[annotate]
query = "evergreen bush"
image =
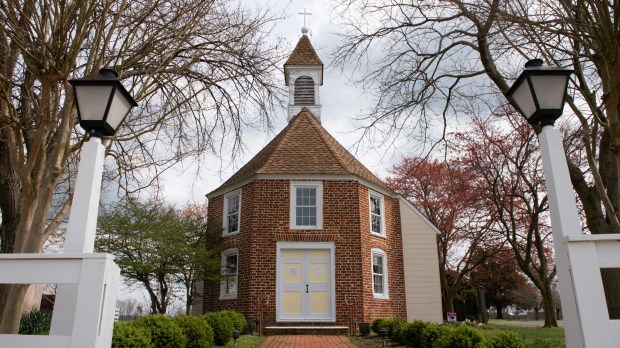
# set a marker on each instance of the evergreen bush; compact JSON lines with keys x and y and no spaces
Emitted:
{"x":431,"y":333}
{"x":164,"y":332}
{"x":377,"y":324}
{"x":462,"y":337}
{"x":128,"y":335}
{"x":412,"y":334}
{"x":198,"y":333}
{"x":238,"y":320}
{"x":504,"y":339}
{"x":396,"y":330}
{"x":222,"y":327}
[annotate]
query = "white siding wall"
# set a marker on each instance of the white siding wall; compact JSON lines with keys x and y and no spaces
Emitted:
{"x":421,"y":266}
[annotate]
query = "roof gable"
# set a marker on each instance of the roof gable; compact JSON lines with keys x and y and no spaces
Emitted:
{"x":303,"y":147}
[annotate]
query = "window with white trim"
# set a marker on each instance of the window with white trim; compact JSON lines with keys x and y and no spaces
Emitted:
{"x":377,"y":215}
{"x":232,"y":212}
{"x":379,"y":273}
{"x":306,"y":205}
{"x":230,"y":261}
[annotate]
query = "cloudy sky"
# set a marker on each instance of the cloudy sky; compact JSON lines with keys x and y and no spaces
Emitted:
{"x":341,"y":102}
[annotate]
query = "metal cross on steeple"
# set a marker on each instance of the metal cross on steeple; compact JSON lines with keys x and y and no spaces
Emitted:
{"x":304,"y":14}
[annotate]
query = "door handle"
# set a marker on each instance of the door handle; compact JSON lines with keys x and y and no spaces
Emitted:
{"x":306,"y":288}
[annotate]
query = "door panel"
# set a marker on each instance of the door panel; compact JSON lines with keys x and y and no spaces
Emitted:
{"x":292,"y":304}
{"x":319,"y":303}
{"x":306,"y":285}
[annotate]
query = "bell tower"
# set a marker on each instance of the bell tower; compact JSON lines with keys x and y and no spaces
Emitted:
{"x":303,"y":74}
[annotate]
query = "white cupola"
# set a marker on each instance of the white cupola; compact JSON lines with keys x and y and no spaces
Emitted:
{"x":303,"y":74}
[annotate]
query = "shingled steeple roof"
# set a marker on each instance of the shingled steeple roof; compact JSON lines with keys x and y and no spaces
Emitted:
{"x":303,"y":55}
{"x":303,"y":147}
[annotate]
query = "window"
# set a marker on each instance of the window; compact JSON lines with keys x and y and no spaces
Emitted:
{"x":377,"y":217}
{"x":306,"y":205}
{"x":230,"y":258}
{"x":232,"y":212}
{"x":304,"y":91}
{"x":379,"y":273}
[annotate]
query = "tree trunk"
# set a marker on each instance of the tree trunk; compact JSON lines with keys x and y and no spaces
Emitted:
{"x":549,"y":308}
{"x":9,"y":322}
{"x":611,"y":283}
{"x":499,"y":309}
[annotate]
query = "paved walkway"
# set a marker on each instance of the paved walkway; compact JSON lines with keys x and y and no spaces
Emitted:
{"x":307,"y":341}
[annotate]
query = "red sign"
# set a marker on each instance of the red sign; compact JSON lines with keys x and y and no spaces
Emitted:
{"x":451,"y":317}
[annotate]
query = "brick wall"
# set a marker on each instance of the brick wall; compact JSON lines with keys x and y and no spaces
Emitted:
{"x":346,"y":222}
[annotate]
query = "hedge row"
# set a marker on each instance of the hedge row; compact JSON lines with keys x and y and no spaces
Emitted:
{"x":158,"y":331}
{"x":419,"y":334}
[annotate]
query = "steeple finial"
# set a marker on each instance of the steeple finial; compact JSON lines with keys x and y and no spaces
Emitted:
{"x":304,"y":29}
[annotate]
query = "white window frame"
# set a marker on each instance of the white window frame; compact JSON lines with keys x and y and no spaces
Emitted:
{"x":225,"y":219}
{"x":319,"y":204}
{"x":385,"y":295}
{"x":225,"y":254}
{"x":370,"y":213}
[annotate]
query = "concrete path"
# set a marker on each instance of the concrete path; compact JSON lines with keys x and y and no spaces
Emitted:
{"x":307,"y":341}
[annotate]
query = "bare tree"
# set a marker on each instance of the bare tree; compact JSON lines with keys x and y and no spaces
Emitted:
{"x":195,"y":67}
{"x":439,"y":57}
{"x":506,"y":162}
{"x":445,"y":194}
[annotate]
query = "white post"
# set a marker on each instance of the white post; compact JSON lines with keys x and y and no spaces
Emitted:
{"x":565,"y":223}
{"x":85,"y":206}
{"x":81,"y":230}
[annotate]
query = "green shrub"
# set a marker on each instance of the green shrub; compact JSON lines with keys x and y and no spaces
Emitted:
{"x":377,"y":324}
{"x":431,"y":333}
{"x":462,"y":337}
{"x":238,"y":320}
{"x":222,"y":327}
{"x":35,"y":322}
{"x":504,"y":339}
{"x":412,"y":334}
{"x":164,"y":332}
{"x":470,"y":334}
{"x":128,"y":335}
{"x":198,"y":333}
{"x":397,"y":329}
{"x":393,"y":324}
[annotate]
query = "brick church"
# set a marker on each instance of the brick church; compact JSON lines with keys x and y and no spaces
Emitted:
{"x":308,"y":230}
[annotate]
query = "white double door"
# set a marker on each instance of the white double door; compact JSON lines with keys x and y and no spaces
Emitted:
{"x":305,"y":283}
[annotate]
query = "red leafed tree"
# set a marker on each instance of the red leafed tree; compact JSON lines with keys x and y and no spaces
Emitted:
{"x":506,"y":161}
{"x":499,"y":277}
{"x":446,"y":196}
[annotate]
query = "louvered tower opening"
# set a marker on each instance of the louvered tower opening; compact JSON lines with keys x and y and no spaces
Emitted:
{"x":304,"y":91}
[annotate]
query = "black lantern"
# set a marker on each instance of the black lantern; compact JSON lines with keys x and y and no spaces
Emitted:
{"x":383,"y":333}
{"x":102,"y":102}
{"x":539,"y":92}
{"x":235,"y":337}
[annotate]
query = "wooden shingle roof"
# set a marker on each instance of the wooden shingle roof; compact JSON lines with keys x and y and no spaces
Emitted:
{"x":303,"y":147}
{"x":303,"y":54}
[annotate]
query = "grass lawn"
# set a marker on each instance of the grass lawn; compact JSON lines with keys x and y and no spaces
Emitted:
{"x":534,"y":337}
{"x":246,"y":341}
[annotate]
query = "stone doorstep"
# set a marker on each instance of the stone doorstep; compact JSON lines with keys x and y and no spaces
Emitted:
{"x":307,"y":330}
